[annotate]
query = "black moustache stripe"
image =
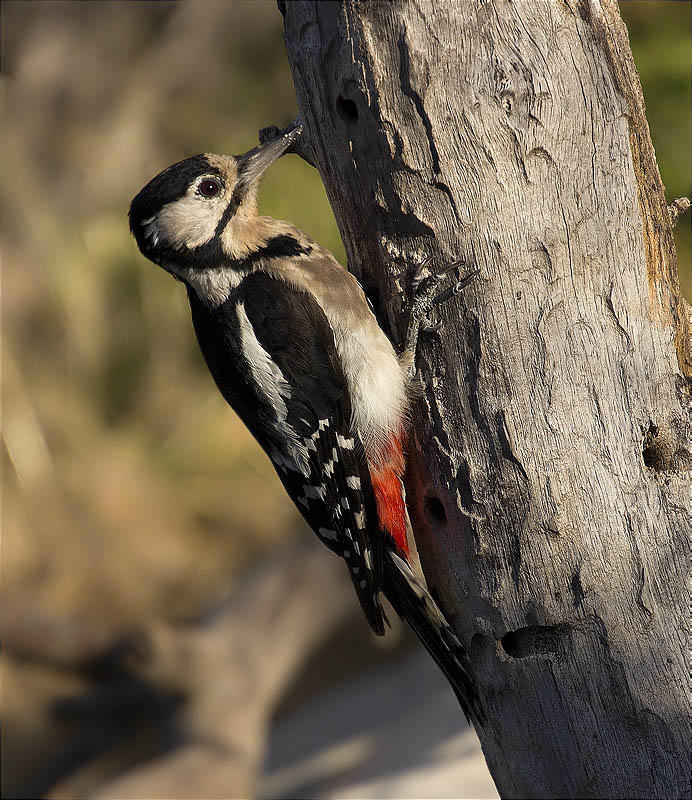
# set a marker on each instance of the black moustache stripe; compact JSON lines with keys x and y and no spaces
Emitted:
{"x":230,"y":210}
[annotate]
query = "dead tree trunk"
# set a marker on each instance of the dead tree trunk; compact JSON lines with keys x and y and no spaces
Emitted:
{"x":549,"y":483}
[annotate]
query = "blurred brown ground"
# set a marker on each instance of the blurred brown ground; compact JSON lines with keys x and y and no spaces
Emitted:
{"x":130,"y":493}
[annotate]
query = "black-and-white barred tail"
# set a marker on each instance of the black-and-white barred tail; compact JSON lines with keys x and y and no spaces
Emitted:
{"x":413,"y":603}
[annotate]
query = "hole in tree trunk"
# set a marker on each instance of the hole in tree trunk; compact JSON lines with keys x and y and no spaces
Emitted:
{"x":663,"y":449}
{"x":348,"y":110}
{"x":435,"y":510}
{"x":650,"y":450}
{"x":536,"y":640}
{"x":510,"y":644}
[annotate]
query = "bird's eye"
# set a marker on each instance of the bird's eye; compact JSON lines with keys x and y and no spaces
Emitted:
{"x":209,"y":187}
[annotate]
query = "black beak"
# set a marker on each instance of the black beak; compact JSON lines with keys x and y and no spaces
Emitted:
{"x":252,"y":164}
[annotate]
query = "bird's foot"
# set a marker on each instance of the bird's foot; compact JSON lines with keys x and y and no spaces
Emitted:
{"x":425,"y":297}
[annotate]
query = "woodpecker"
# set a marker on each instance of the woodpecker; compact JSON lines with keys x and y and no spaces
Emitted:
{"x":294,"y":347}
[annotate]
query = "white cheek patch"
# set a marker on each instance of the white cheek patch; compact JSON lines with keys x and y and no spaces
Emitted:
{"x":190,"y":221}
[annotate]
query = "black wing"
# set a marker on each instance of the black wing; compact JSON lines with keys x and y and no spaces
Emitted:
{"x":271,"y":351}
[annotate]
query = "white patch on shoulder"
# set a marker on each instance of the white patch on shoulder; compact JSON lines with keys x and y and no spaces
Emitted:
{"x":272,"y":384}
{"x":353,"y":482}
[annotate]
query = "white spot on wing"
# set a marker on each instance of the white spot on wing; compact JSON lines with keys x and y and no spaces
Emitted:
{"x":367,"y":557}
{"x":315,"y":492}
{"x":359,"y":517}
{"x":347,"y":444}
{"x":353,"y":482}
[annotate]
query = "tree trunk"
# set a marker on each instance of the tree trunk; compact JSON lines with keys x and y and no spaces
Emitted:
{"x":549,"y":479}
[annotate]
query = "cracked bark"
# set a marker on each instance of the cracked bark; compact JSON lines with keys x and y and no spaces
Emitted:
{"x":549,"y":480}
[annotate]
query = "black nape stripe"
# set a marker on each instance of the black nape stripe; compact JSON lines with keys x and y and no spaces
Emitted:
{"x":284,"y":246}
{"x":210,"y":255}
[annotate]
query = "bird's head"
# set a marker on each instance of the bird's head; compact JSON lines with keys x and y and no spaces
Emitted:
{"x":202,"y":211}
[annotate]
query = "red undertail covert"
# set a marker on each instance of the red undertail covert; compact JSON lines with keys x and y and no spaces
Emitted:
{"x":386,"y":483}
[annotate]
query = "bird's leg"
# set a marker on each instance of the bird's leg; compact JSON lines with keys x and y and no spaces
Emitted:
{"x":425,"y":298}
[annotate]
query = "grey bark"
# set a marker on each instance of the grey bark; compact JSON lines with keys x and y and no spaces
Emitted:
{"x":549,"y":472}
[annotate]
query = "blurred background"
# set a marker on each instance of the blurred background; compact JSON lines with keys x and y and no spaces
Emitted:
{"x":169,"y":628}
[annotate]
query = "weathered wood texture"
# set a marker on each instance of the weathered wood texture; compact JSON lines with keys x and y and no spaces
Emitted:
{"x":549,"y":480}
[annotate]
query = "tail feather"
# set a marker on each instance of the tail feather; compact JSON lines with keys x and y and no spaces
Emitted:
{"x":413,"y":603}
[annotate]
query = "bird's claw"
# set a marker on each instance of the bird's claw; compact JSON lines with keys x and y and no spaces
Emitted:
{"x":429,"y":327}
{"x":457,"y":288}
{"x":425,"y":299}
{"x":448,"y":268}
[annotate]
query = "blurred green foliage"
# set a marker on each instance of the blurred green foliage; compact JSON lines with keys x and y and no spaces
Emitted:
{"x":662,"y":48}
{"x":129,"y":487}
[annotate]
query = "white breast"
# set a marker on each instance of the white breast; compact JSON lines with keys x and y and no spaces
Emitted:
{"x":376,"y":380}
